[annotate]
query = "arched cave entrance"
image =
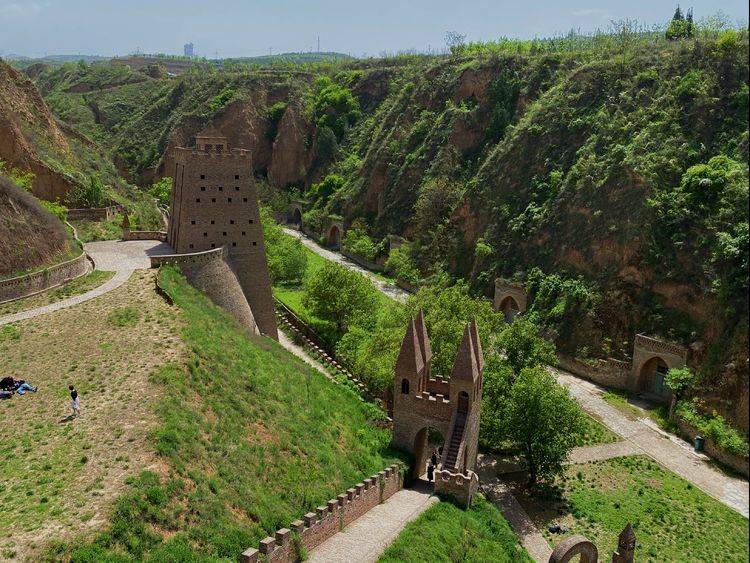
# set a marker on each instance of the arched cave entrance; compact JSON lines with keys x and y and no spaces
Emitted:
{"x":509,"y":308}
{"x":297,"y":217}
{"x":334,"y":237}
{"x":651,"y":377}
{"x":427,"y":440}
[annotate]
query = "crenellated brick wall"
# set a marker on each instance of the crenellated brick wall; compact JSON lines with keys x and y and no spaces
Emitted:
{"x":316,"y":527}
{"x":92,"y":214}
{"x":609,"y":372}
{"x":36,"y":282}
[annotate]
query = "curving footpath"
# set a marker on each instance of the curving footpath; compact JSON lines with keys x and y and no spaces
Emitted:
{"x":121,"y":257}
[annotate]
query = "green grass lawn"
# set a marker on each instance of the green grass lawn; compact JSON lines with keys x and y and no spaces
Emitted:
{"x":673,"y":520}
{"x":89,"y":231}
{"x":251,"y":438}
{"x":447,"y":533}
{"x":75,"y":287}
{"x":596,"y":433}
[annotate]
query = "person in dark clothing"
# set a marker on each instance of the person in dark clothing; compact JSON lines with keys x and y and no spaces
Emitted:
{"x":74,"y":401}
{"x":430,"y":472}
{"x":434,"y":458}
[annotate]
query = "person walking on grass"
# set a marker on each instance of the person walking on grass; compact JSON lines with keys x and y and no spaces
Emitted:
{"x":74,"y":401}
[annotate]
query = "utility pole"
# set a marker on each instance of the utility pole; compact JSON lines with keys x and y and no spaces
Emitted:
{"x":318,"y":43}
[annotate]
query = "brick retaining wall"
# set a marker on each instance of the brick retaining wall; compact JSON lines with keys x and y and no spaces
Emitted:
{"x":92,"y":214}
{"x":327,"y":521}
{"x":738,"y":463}
{"x":609,"y":372}
{"x":145,"y":235}
{"x":36,"y":282}
{"x":366,"y":264}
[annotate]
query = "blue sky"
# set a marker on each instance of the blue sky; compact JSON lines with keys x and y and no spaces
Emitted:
{"x":252,"y":27}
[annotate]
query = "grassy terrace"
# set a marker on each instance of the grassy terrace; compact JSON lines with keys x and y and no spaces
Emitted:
{"x":248,"y":439}
{"x":75,"y":287}
{"x":445,"y":533}
{"x":673,"y":520}
{"x":60,"y":476}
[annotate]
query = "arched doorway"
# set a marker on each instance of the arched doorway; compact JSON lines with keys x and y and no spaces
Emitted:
{"x":334,"y":237}
{"x":297,"y":217}
{"x":426,"y":441}
{"x":510,"y":309}
{"x":651,"y":378}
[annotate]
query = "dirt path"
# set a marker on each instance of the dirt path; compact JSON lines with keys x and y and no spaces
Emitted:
{"x":120,"y":257}
{"x":392,"y":291}
{"x":365,"y":539}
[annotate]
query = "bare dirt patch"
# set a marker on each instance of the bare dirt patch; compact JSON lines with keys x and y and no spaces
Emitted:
{"x":58,"y":474}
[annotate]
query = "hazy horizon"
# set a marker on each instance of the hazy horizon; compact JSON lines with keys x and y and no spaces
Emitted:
{"x":234,"y":28}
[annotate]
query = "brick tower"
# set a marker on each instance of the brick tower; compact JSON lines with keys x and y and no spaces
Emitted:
{"x":452,"y":407}
{"x":214,"y":205}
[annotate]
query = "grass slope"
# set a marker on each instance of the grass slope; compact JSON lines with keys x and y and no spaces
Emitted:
{"x":251,"y":439}
{"x":447,"y":533}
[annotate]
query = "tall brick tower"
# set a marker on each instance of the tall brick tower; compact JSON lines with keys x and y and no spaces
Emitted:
{"x":214,"y":205}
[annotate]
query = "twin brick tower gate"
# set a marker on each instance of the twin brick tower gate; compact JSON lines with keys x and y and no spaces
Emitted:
{"x":421,"y":403}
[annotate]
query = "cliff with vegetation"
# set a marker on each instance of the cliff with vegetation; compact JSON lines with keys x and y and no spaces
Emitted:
{"x":608,"y":173}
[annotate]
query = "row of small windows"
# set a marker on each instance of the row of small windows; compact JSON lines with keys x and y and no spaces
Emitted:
{"x":236,"y":176}
{"x":220,"y":188}
{"x":225,"y":234}
{"x":213,"y":200}
{"x":231,"y":222}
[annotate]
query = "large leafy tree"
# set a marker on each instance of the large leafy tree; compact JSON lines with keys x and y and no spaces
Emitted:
{"x":543,"y":420}
{"x":678,"y":381}
{"x":524,"y":346}
{"x":287,"y":259}
{"x":336,"y":294}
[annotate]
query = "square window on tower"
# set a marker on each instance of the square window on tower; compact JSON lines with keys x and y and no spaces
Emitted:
{"x":234,"y":244}
{"x":197,"y":200}
{"x":190,"y":246}
{"x":244,"y":200}
{"x":221,"y":188}
{"x":213,"y":245}
{"x":203,"y":176}
{"x":255,"y":243}
{"x":229,"y":200}
{"x":224,"y":233}
{"x":203,"y":188}
{"x":205,"y":234}
{"x":192,"y":222}
{"x":236,"y":188}
{"x":236,"y":176}
{"x":243,"y":233}
{"x":213,"y":200}
{"x":231,"y":221}
{"x":213,"y":222}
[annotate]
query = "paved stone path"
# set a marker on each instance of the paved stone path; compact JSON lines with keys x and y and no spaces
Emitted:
{"x":121,"y":257}
{"x":523,"y":526}
{"x":365,"y":539}
{"x":392,"y":291}
{"x":668,"y":450}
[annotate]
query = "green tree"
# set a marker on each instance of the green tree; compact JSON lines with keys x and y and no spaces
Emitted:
{"x":401,"y":265}
{"x":678,"y":381}
{"x":333,"y":106}
{"x":286,"y":256}
{"x":337,"y":294}
{"x":91,"y":194}
{"x":498,"y":379}
{"x":543,"y":420}
{"x":524,"y":347}
{"x":162,"y":190}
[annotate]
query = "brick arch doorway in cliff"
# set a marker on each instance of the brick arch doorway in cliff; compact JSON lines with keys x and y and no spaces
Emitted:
{"x":651,"y":377}
{"x":509,"y":308}
{"x":334,"y":237}
{"x":428,"y":440}
{"x":297,"y":217}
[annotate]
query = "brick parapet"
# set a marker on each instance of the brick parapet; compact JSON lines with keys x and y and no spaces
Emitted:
{"x":460,"y":486}
{"x":657,"y":346}
{"x":144,"y":235}
{"x":189,"y":259}
{"x":42,"y":280}
{"x":608,"y":372}
{"x":316,"y":527}
{"x":92,"y":214}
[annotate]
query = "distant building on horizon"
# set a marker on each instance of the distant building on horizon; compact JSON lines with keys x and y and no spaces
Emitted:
{"x":188,"y":49}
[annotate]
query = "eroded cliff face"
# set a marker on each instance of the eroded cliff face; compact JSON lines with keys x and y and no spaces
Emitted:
{"x":26,"y":128}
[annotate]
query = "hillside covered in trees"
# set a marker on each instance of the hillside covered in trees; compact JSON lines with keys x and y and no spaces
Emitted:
{"x":608,"y":173}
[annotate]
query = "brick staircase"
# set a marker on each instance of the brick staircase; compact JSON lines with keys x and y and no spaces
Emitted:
{"x":455,"y":442}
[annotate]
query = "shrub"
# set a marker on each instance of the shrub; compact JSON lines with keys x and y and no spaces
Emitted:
{"x":90,"y":194}
{"x":359,"y":243}
{"x":401,"y":265}
{"x":713,"y":426}
{"x":162,"y":190}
